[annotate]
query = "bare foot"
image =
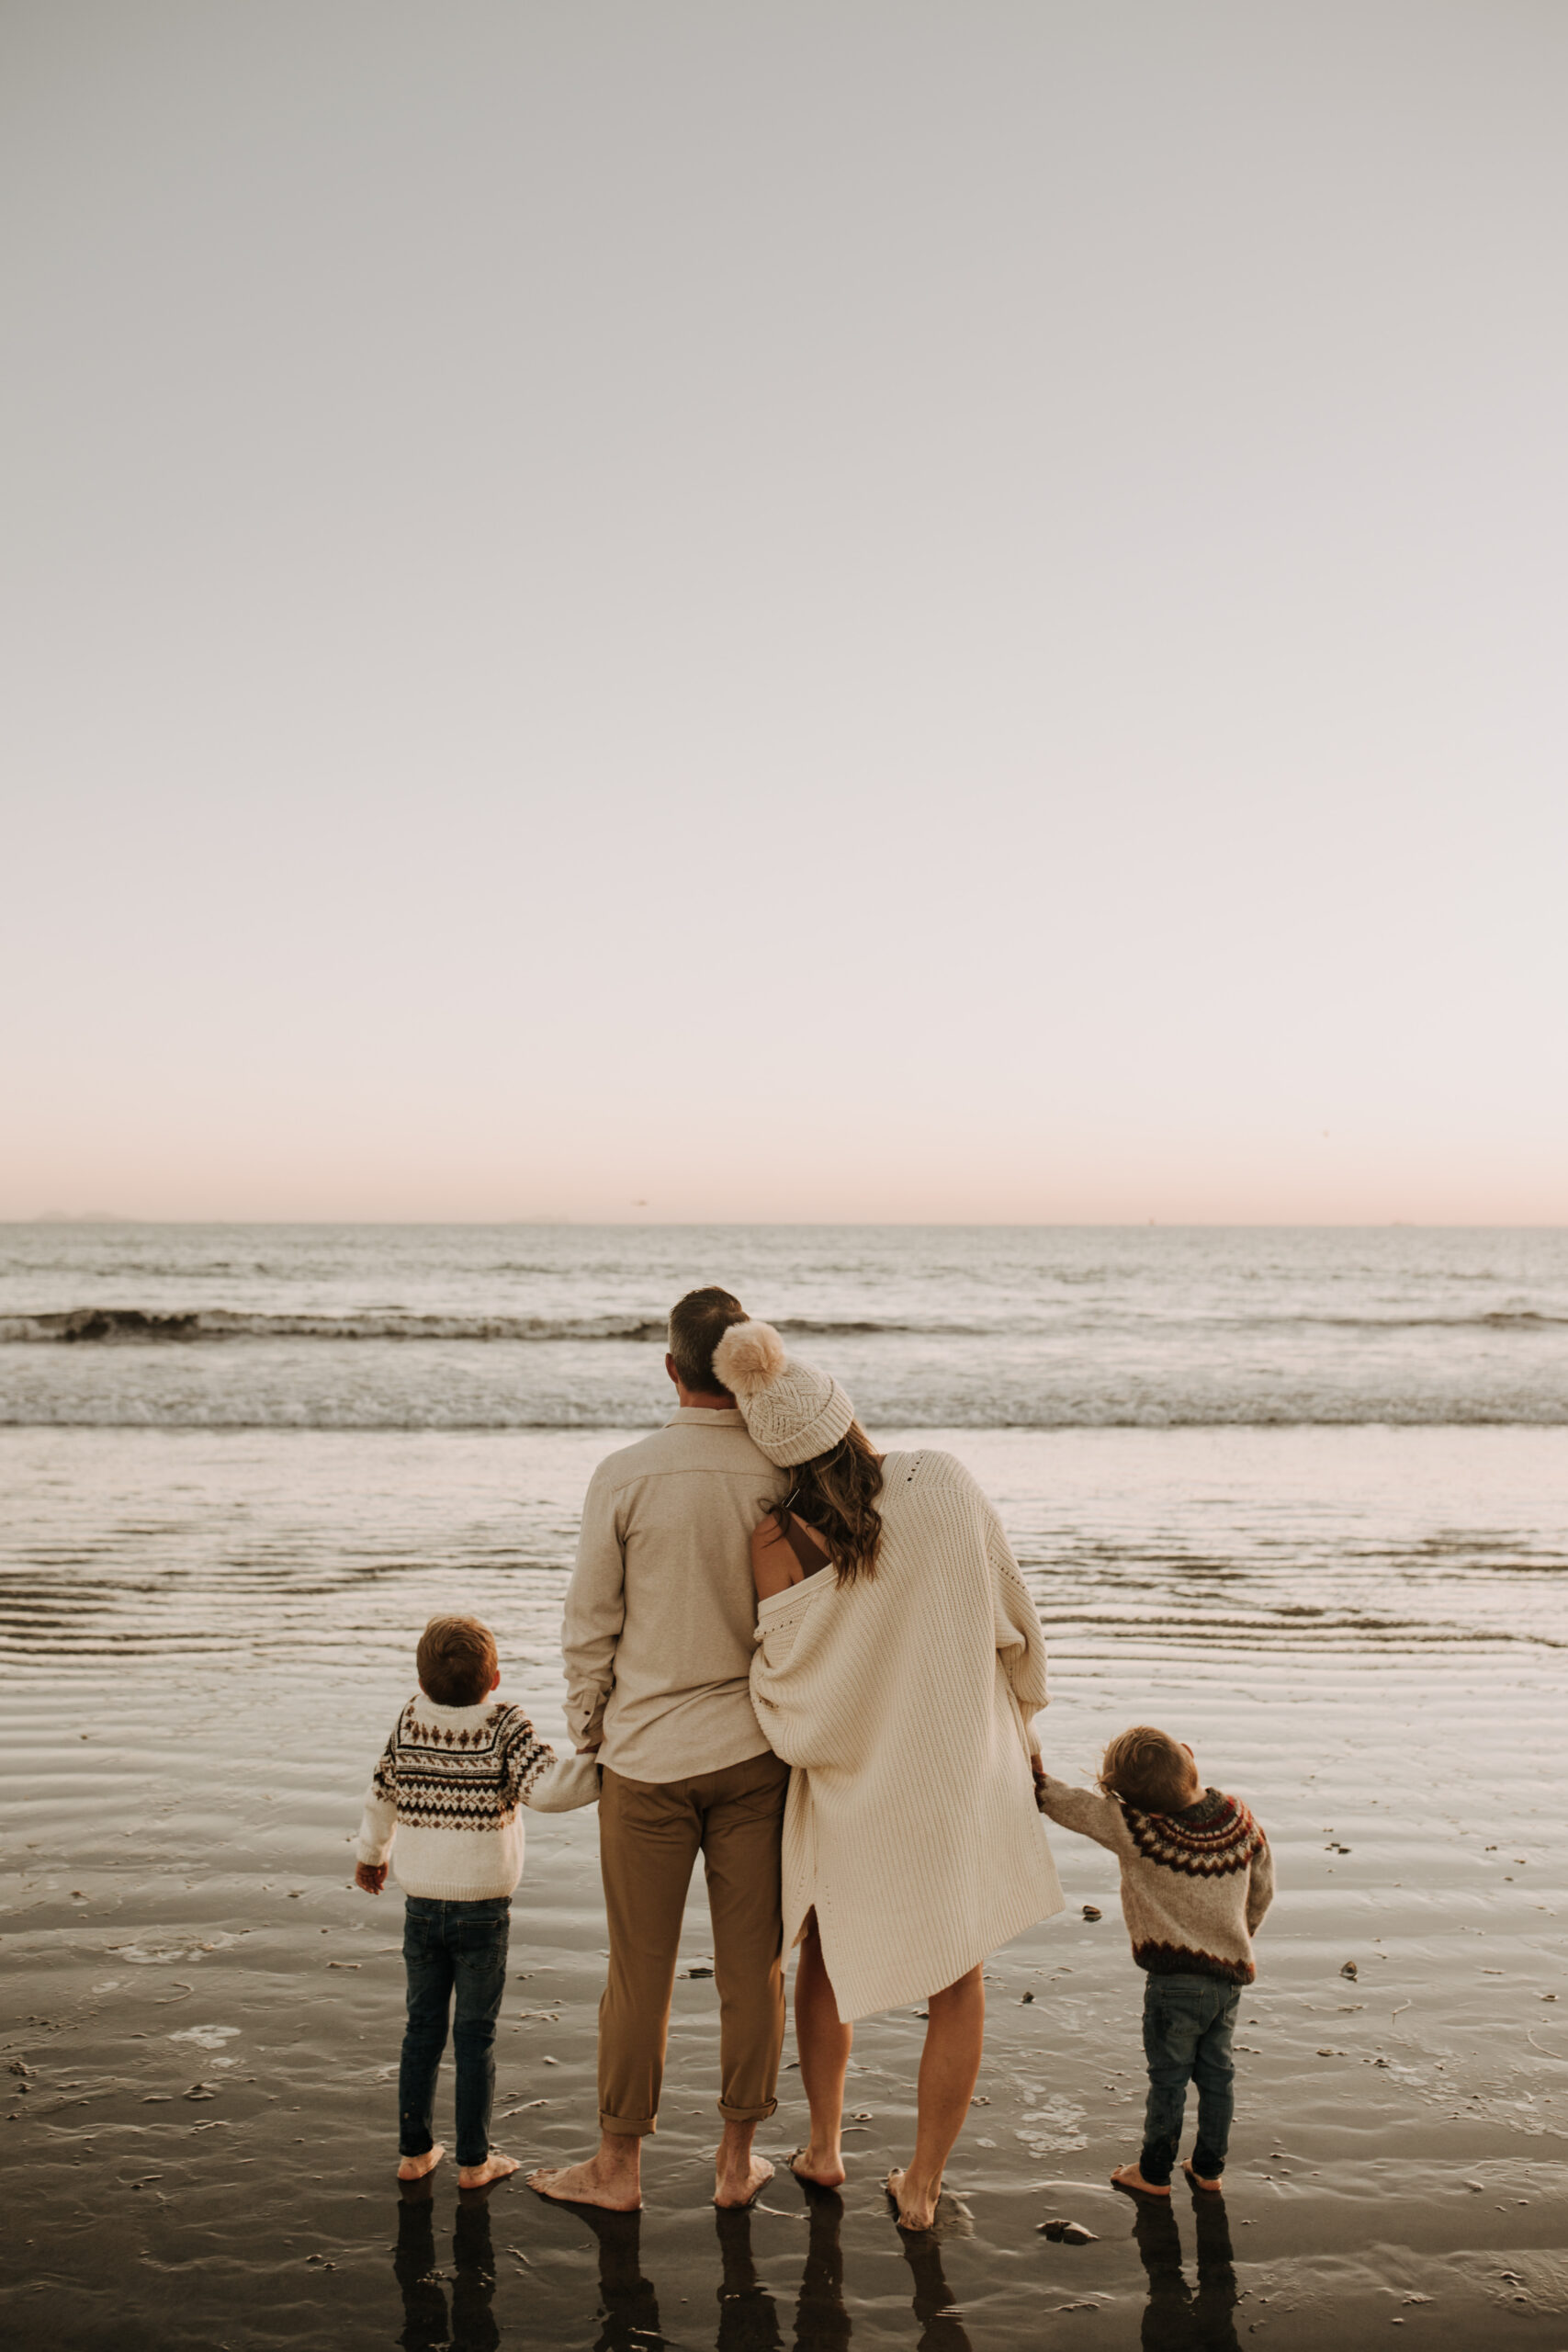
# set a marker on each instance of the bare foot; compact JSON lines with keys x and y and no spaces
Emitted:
{"x":916,"y":2206}
{"x":739,"y":2184}
{"x":1198,"y":2181}
{"x":1129,"y":2178}
{"x":819,"y":2171}
{"x":416,"y":2167}
{"x":494,"y":2168}
{"x":589,"y":2184}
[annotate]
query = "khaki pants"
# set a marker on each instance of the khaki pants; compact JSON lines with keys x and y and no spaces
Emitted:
{"x":650,"y":1833}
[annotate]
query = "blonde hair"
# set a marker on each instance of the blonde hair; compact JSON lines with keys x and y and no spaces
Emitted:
{"x":456,"y":1661}
{"x":1149,"y":1769}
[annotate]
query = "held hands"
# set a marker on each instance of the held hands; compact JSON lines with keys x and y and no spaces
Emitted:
{"x":1038,"y":1769}
{"x":370,"y":1877}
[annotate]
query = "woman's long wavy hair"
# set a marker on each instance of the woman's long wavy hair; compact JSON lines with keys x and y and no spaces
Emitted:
{"x":835,"y":1492}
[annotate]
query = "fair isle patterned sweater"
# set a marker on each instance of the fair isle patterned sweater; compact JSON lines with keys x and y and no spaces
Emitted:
{"x":449,"y":1787}
{"x":1194,"y":1884}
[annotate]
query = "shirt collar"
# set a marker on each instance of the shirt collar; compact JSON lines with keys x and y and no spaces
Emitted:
{"x":715,"y":1417}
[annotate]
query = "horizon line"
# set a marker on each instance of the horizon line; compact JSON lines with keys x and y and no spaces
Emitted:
{"x":786,"y":1225}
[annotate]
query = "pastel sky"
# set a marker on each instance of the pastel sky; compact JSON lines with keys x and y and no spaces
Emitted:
{"x":847,"y":608}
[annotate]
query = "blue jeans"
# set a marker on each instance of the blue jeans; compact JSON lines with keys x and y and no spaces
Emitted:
{"x":448,"y":1946}
{"x":1187,"y":2024}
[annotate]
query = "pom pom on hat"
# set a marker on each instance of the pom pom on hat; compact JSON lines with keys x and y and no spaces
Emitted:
{"x":792,"y":1412}
{"x":749,"y":1357}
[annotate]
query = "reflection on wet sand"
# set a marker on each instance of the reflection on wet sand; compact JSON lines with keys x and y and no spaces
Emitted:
{"x":821,"y":2323}
{"x":748,"y":2316}
{"x":628,"y":2305}
{"x":941,"y":2328}
{"x":471,"y":2327}
{"x":1175,"y":2319}
{"x":629,"y":2308}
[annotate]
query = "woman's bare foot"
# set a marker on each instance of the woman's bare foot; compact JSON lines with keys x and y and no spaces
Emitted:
{"x":822,"y":2171}
{"x":915,"y":2201}
{"x":416,"y":2167}
{"x":1214,"y":2186}
{"x":1129,"y":2178}
{"x":607,"y":2179}
{"x":495,"y":2168}
{"x":740,"y":2181}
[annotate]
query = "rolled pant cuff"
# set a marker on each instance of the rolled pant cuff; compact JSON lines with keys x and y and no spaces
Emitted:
{"x":748,"y":2114}
{"x":627,"y":2127}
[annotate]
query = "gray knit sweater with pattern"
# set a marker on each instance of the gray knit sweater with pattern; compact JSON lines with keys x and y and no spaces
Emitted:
{"x":1194,"y":1884}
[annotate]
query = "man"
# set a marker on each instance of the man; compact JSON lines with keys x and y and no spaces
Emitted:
{"x":660,"y":1616}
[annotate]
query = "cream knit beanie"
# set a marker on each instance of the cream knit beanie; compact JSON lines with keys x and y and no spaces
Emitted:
{"x":792,"y":1410}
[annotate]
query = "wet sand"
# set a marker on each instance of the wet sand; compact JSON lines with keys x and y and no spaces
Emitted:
{"x":199,"y":2142}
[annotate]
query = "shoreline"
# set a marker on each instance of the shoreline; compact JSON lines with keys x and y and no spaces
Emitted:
{"x":1361,"y":2122}
{"x":176,"y":1912}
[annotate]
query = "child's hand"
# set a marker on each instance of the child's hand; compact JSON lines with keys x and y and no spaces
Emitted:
{"x":370,"y":1877}
{"x":1037,"y":1768}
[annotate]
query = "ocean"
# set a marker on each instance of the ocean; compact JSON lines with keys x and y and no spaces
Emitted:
{"x":474,"y":1327}
{"x":1301,"y":1496}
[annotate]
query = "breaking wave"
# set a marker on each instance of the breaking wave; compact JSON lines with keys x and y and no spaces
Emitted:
{"x":110,"y":1325}
{"x":131,"y":1325}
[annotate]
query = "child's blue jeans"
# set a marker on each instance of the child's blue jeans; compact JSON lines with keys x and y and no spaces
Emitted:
{"x":447,"y":1948}
{"x":1187,"y":2024}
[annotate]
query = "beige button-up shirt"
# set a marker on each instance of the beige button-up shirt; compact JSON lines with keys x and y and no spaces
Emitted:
{"x":662,"y":1611}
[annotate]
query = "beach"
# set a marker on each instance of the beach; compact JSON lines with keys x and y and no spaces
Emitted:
{"x":208,"y":1630}
{"x":202,"y":2141}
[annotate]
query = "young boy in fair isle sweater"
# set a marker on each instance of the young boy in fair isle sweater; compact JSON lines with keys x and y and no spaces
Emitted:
{"x":458,"y":1765}
{"x":1196,"y":1879}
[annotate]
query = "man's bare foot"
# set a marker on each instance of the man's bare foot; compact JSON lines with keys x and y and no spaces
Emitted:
{"x":1129,"y":2178}
{"x":416,"y":2167}
{"x":819,"y":2171}
{"x":917,"y":2205}
{"x":739,"y":2183}
{"x":1214,"y":2186}
{"x":589,"y":2184}
{"x":495,"y":2168}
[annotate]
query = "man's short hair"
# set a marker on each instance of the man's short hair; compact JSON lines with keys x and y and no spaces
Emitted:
{"x":456,"y":1661}
{"x":1149,"y":1769}
{"x":697,"y":1323}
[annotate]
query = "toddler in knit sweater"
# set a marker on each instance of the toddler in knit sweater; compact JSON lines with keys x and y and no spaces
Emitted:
{"x":1195,"y":1880}
{"x":447,"y":1790}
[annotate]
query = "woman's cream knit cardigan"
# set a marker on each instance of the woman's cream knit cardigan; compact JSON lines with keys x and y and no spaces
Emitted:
{"x":903,"y":1702}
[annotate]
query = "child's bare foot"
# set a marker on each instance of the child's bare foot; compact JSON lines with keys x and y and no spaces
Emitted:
{"x":1198,"y":2181}
{"x":1129,"y":2178}
{"x":593,"y":2183}
{"x":820,"y":2171}
{"x":495,"y":2168}
{"x":916,"y":2200}
{"x":739,"y":2180}
{"x":416,"y":2167}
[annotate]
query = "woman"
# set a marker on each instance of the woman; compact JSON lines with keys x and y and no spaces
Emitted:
{"x":899,"y":1661}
